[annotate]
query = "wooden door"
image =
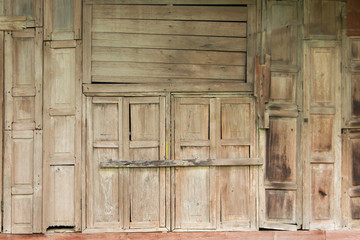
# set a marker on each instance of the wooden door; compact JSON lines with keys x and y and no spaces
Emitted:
{"x":23,"y":132}
{"x":126,"y":199}
{"x":214,"y":197}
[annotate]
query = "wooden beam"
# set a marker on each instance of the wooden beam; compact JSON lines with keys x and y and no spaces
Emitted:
{"x":11,"y":23}
{"x":182,"y":163}
{"x":116,"y":89}
{"x":179,"y":2}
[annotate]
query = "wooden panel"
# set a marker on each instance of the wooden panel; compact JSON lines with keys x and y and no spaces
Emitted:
{"x":32,"y":9}
{"x":353,"y":26}
{"x":214,"y":13}
{"x":194,"y":187}
{"x":322,"y":192}
{"x":230,"y":29}
{"x":322,"y":76}
{"x":355,"y":156}
{"x":283,"y":33}
{"x":282,"y":87}
{"x":23,"y":191}
{"x":281,"y":160}
{"x":322,"y":19}
{"x":23,"y":79}
{"x":355,"y":95}
{"x":129,"y":40}
{"x":105,"y":189}
{"x":235,"y":119}
{"x":322,"y":133}
{"x":281,"y":205}
{"x":62,"y":19}
{"x":146,"y":187}
{"x":148,"y":43}
{"x":62,"y":108}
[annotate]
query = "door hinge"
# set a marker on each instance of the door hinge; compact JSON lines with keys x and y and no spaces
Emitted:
{"x":2,"y":206}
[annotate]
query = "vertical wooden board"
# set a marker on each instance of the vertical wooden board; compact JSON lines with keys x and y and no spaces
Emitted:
{"x":355,"y":208}
{"x":355,"y":95}
{"x":106,"y":188}
{"x":193,"y":198}
{"x":282,"y":87}
{"x":62,"y":196}
{"x":322,"y":192}
{"x":283,"y":39}
{"x":322,"y":133}
{"x":193,"y":187}
{"x":322,"y":71}
{"x":234,"y":195}
{"x":281,"y":205}
{"x":281,"y":157}
{"x":235,"y":118}
{"x":355,"y":161}
{"x":62,"y":127}
{"x":146,"y":193}
{"x":62,"y":19}
{"x":62,"y":133}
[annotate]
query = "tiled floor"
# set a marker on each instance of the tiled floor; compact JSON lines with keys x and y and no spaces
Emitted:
{"x":261,"y":235}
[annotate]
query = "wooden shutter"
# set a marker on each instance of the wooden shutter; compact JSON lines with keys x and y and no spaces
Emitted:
{"x":23,"y":138}
{"x":127,"y":199}
{"x":322,"y":19}
{"x":62,"y":128}
{"x":32,"y":9}
{"x":214,"y":197}
{"x":62,"y":19}
{"x":322,"y":131}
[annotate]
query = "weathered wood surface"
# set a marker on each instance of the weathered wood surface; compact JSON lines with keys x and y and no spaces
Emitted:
{"x":147,"y":43}
{"x":31,"y":9}
{"x":181,"y":163}
{"x":9,"y":23}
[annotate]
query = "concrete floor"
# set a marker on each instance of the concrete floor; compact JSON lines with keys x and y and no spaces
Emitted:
{"x":261,"y":235}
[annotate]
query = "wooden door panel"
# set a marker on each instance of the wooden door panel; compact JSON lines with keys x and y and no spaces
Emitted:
{"x":32,"y":9}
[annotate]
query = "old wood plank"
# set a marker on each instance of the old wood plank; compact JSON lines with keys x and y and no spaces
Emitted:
{"x":168,"y":70}
{"x":87,"y":43}
{"x":12,"y":23}
{"x":183,"y":2}
{"x":182,"y":163}
{"x":148,"y":12}
{"x":229,"y":29}
{"x":111,"y":54}
{"x":116,"y":89}
{"x":128,"y":40}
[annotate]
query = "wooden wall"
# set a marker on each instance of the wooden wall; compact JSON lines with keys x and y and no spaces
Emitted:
{"x":179,"y":115}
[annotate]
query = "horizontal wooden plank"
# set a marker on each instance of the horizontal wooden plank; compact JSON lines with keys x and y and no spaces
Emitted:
{"x":22,"y":190}
{"x":168,"y":42}
{"x":179,"y":2}
{"x":62,"y":111}
{"x":12,"y":23}
{"x":106,"y":144}
{"x":229,"y":29}
{"x":212,"y":13}
{"x":111,"y":54}
{"x":146,"y":89}
{"x":354,"y":191}
{"x":63,"y":44}
{"x":183,"y":163}
{"x":102,"y":100}
{"x":23,"y":92}
{"x":168,"y":70}
{"x":195,"y":143}
{"x":26,"y":134}
{"x":144,"y":144}
{"x":281,"y":186}
{"x":23,"y":126}
{"x":147,"y":100}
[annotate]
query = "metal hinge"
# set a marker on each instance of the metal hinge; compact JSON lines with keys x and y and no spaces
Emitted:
{"x":2,"y":206}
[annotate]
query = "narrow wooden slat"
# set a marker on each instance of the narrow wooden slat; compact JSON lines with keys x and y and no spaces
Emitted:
{"x":172,"y":13}
{"x":183,"y":163}
{"x":144,"y":144}
{"x":61,"y":111}
{"x":110,"y":54}
{"x":22,"y":190}
{"x":116,"y":89}
{"x":229,"y":29}
{"x":27,"y":134}
{"x":106,"y":144}
{"x":12,"y":23}
{"x":63,"y":44}
{"x":195,"y":143}
{"x":185,"y":2}
{"x":168,"y":70}
{"x":113,"y":39}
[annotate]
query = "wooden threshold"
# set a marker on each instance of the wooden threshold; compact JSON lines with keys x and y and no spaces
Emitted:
{"x":183,"y":163}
